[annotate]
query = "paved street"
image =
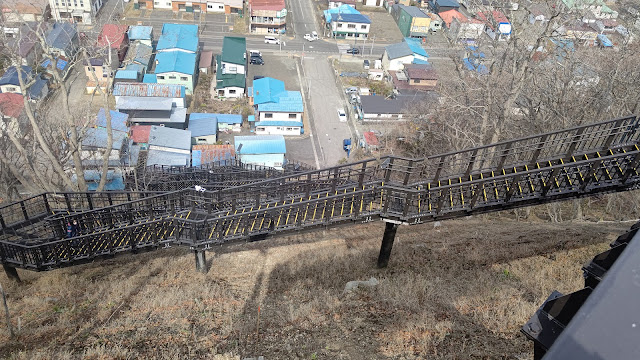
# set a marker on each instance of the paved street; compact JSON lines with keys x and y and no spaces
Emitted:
{"x":303,"y":15}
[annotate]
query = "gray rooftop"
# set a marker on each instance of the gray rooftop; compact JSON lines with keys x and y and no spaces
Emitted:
{"x":143,"y":103}
{"x":398,"y":50}
{"x":171,"y":138}
{"x":372,"y":104}
{"x":413,"y":11}
{"x":158,"y":157}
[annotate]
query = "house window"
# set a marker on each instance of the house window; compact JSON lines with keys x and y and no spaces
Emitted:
{"x":105,"y":75}
{"x":351,"y":26}
{"x":292,"y":116}
{"x":160,"y":77}
{"x":156,"y":3}
{"x":209,"y":6}
{"x":11,"y":88}
{"x":184,"y":78}
{"x":363,"y":27}
{"x":172,"y":77}
{"x":339,"y":25}
{"x":289,"y":129}
{"x":417,"y":81}
{"x":221,"y":7}
{"x":268,"y":116}
{"x":232,"y":91}
{"x":168,"y":4}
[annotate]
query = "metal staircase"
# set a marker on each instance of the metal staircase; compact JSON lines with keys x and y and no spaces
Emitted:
{"x":247,"y":204}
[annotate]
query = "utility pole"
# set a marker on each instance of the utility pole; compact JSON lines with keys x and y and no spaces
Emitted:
{"x":373,"y":42}
{"x":364,"y":43}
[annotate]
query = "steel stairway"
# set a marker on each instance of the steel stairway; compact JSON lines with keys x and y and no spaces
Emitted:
{"x":581,"y":161}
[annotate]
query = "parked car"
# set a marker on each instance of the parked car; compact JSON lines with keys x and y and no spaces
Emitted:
{"x":353,"y":51}
{"x":258,"y":77}
{"x":255,"y":53}
{"x":256,"y":60}
{"x":308,"y":37}
{"x":271,"y":40}
{"x":351,"y":90}
{"x":342,"y":116}
{"x":366,"y":64}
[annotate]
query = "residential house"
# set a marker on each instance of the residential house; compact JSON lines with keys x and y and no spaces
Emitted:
{"x":337,"y":3}
{"x":377,"y":108}
{"x":11,"y":107}
{"x":378,"y":3}
{"x":10,"y":82}
{"x":267,"y":16}
{"x":460,"y":28}
{"x":80,"y":12}
{"x":20,"y":11}
{"x":279,"y":112}
{"x":98,"y":75}
{"x":263,"y":150}
{"x":204,"y":128}
{"x":23,"y":41}
{"x":439,"y":6}
{"x":411,"y":21}
{"x":231,"y":69}
{"x":178,"y":37}
{"x":113,"y":42}
{"x":229,"y":122}
{"x":168,"y":146}
{"x":152,"y":111}
{"x":497,"y":26}
{"x":206,"y":59}
{"x":62,"y":40}
{"x":598,"y":8}
{"x":202,"y":6}
{"x":407,"y":52}
{"x":39,"y":89}
{"x":475,"y":6}
{"x":61,"y":65}
{"x":436,"y":22}
{"x":350,"y":26}
{"x":539,"y":13}
{"x":142,"y":34}
{"x":176,"y":67}
{"x":414,"y":77}
{"x":130,"y":73}
{"x":207,"y":154}
{"x":139,"y":134}
{"x":151,"y":91}
{"x":94,"y":143}
{"x":141,"y":54}
{"x":369,"y":141}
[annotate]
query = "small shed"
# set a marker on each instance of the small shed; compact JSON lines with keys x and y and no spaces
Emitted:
{"x":207,"y":154}
{"x":204,"y":128}
{"x":370,"y":141}
{"x":206,"y":60}
{"x":229,"y":122}
{"x":139,"y":134}
{"x":264,"y":150}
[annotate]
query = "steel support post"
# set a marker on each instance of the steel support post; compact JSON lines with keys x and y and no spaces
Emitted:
{"x":387,"y":244}
{"x":11,"y":272}
{"x":201,"y":261}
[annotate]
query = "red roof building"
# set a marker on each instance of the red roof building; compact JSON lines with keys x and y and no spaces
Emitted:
{"x":371,"y":140}
{"x":11,"y":104}
{"x":140,"y":133}
{"x":114,"y":36}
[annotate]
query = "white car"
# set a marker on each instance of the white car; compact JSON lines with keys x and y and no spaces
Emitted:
{"x":255,"y":53}
{"x":271,"y":40}
{"x":308,"y":37}
{"x":342,"y":116}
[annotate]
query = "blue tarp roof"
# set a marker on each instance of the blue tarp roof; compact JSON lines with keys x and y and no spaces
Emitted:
{"x":473,"y":66}
{"x":115,"y":180}
{"x":288,"y":101}
{"x":419,"y":61}
{"x":203,"y":124}
{"x":279,"y":123}
{"x":342,"y":9}
{"x":260,"y":144}
{"x":140,"y":32}
{"x":351,"y":18}
{"x":604,"y":40}
{"x":118,"y":120}
{"x":475,"y":52}
{"x":228,"y":118}
{"x":178,"y":36}
{"x":176,"y":61}
{"x":62,"y":64}
{"x":266,"y":90}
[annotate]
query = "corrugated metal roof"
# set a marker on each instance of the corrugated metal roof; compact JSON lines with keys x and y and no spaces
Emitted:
{"x":150,"y":79}
{"x":149,"y":90}
{"x":140,"y":32}
{"x":140,"y":133}
{"x":203,"y":124}
{"x":234,"y":50}
{"x":168,"y":137}
{"x":206,"y":154}
{"x":175,"y":61}
{"x":279,"y":123}
{"x":118,"y":120}
{"x":351,"y":18}
{"x":158,"y":157}
{"x":412,"y":11}
{"x":288,"y":101}
{"x":266,"y":90}
{"x":144,"y":103}
{"x":206,"y":59}
{"x":151,"y":117}
{"x":416,"y":48}
{"x":370,"y":138}
{"x":228,"y":118}
{"x":97,"y":138}
{"x":178,"y":36}
{"x":11,"y":104}
{"x":342,"y":9}
{"x":112,"y":35}
{"x":260,"y":144}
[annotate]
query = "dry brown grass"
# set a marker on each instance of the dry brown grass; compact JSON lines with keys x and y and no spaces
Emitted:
{"x":461,"y":290}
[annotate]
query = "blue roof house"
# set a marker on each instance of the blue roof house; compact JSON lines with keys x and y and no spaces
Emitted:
{"x":10,"y":83}
{"x":278,"y":111}
{"x":342,"y":9}
{"x":229,"y":122}
{"x":142,"y":34}
{"x":407,"y":52}
{"x":264,"y":150}
{"x":204,"y":128}
{"x":94,"y":143}
{"x":62,"y":39}
{"x":178,"y":37}
{"x":130,"y":73}
{"x":176,"y":67}
{"x":350,"y":26}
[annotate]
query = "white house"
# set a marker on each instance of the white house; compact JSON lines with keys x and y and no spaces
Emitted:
{"x":280,"y":112}
{"x":350,"y":26}
{"x":78,"y":11}
{"x":372,"y":2}
{"x":407,"y":52}
{"x":231,"y":69}
{"x":497,"y":26}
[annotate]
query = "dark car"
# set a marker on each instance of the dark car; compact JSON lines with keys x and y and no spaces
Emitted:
{"x":353,"y":51}
{"x":256,"y":60}
{"x":257,"y":77}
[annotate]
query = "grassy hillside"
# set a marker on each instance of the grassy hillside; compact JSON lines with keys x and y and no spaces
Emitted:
{"x":460,"y":290}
